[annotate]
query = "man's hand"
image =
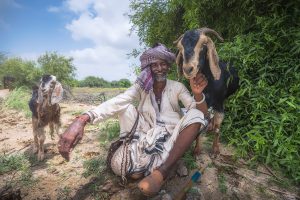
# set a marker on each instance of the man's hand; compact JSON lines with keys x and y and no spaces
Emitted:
{"x":198,"y":84}
{"x":70,"y":138}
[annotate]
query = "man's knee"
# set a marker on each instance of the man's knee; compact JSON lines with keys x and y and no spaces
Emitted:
{"x":129,"y":113}
{"x":195,"y":112}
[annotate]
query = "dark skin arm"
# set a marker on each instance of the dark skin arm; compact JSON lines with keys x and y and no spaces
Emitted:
{"x":69,"y":139}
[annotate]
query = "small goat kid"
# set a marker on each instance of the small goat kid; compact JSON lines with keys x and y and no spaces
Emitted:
{"x":45,"y":110}
{"x":197,"y":54}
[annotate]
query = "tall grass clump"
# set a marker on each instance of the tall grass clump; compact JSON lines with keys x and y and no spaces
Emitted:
{"x":18,"y":100}
{"x":262,"y":118}
{"x":19,"y":168}
{"x":109,"y":130}
{"x":95,"y":166}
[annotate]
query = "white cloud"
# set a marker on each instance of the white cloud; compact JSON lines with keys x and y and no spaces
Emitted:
{"x":104,"y":24}
{"x":101,"y":62}
{"x":54,"y":9}
{"x":79,"y":6}
{"x":29,"y":56}
{"x":4,"y":4}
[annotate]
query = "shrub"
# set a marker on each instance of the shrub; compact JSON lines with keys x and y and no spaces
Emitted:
{"x":18,"y":100}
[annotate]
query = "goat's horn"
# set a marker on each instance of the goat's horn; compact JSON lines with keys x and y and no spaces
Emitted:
{"x":205,"y":30}
{"x":176,"y":41}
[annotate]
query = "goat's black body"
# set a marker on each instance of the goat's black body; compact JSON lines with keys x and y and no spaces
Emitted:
{"x":33,"y":102}
{"x":217,"y":91}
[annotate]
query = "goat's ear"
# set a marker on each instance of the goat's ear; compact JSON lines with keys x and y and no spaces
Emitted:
{"x":40,"y":96}
{"x":57,"y":93}
{"x":179,"y":63}
{"x":176,"y":41}
{"x":213,"y":59}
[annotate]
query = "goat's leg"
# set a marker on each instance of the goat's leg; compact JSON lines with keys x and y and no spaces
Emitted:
{"x":51,"y":126}
{"x":217,"y":121}
{"x":56,"y":120}
{"x":57,"y":127}
{"x":197,"y":149}
{"x":57,"y":124}
{"x":41,"y":137}
{"x":35,"y":135}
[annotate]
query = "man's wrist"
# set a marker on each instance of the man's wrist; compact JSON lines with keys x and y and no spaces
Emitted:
{"x":198,"y":97}
{"x":199,"y":100}
{"x":83,"y":118}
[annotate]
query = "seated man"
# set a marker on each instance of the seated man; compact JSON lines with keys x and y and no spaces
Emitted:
{"x":161,"y":134}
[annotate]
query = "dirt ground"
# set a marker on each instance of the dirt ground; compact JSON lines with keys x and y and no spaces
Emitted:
{"x":224,"y":177}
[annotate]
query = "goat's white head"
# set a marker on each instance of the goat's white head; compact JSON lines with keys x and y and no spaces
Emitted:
{"x":50,"y":90}
{"x":194,"y":48}
{"x":47,"y":84}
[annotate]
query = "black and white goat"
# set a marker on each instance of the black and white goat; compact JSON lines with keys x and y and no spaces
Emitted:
{"x":45,"y":110}
{"x":197,"y":54}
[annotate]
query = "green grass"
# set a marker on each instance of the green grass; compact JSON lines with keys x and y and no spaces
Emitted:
{"x":109,"y":130}
{"x":77,"y":112}
{"x":18,"y":100}
{"x":64,"y":193}
{"x":189,"y":160}
{"x":222,"y":183}
{"x":19,"y":167}
{"x":95,"y":166}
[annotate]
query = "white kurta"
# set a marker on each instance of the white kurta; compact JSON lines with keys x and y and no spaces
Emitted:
{"x":157,"y":130}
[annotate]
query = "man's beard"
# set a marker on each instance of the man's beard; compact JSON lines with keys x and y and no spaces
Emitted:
{"x":160,"y":78}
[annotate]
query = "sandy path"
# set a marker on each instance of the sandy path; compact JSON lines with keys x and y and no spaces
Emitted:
{"x":53,"y":174}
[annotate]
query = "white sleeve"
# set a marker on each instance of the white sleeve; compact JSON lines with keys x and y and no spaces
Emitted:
{"x":115,"y":105}
{"x":186,"y":98}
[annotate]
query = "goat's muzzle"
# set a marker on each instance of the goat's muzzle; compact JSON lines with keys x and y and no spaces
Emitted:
{"x":190,"y":72}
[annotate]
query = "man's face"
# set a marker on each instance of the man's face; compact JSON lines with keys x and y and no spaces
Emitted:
{"x":159,"y":70}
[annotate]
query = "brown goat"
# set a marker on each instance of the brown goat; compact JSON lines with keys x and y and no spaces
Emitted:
{"x":45,"y":110}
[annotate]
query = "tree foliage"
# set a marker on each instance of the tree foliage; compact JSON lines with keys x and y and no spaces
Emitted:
{"x":28,"y":73}
{"x":24,"y":72}
{"x":92,"y":81}
{"x":262,"y":40}
{"x":58,"y":65}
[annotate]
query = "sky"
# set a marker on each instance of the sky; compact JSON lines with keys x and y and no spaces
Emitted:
{"x":96,"y":33}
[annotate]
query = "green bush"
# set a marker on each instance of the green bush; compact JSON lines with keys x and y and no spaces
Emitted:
{"x":262,"y":40}
{"x":19,"y":164}
{"x":95,"y":166}
{"x":28,"y":73}
{"x":18,"y":99}
{"x":109,"y":130}
{"x":262,"y":119}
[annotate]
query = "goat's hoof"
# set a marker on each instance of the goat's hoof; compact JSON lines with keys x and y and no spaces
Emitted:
{"x":41,"y":156}
{"x":216,"y":152}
